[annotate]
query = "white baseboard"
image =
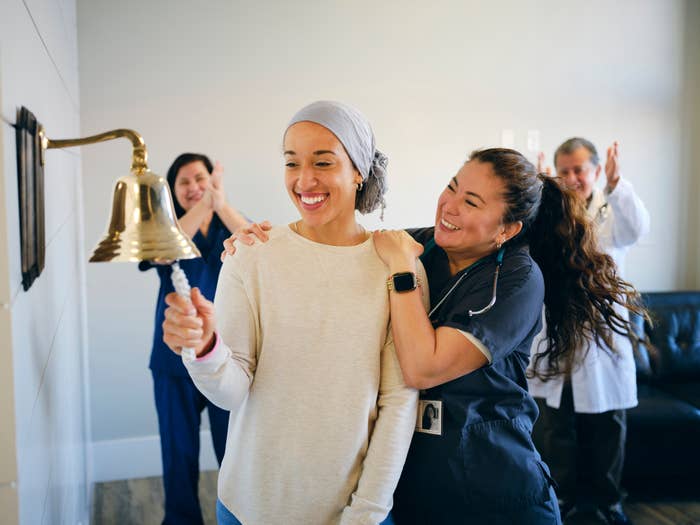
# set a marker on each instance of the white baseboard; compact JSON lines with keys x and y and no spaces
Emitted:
{"x":140,"y":457}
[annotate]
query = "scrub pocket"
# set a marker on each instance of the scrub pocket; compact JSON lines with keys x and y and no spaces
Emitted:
{"x":502,"y":469}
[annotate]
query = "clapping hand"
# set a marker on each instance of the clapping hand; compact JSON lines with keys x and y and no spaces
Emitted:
{"x":541,"y":167}
{"x":215,"y":191}
{"x":612,"y":167}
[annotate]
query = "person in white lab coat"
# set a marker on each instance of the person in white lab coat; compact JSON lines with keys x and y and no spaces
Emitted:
{"x":582,"y":427}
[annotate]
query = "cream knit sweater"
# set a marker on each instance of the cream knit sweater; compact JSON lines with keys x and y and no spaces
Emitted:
{"x":321,"y":419}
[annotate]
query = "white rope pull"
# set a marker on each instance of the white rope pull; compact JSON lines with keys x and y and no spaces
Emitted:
{"x":182,"y":287}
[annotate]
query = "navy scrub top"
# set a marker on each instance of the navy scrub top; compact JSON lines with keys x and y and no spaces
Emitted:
{"x":202,"y":273}
{"x":484,"y":461}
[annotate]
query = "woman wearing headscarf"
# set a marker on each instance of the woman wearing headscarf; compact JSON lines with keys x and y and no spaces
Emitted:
{"x":300,"y":347}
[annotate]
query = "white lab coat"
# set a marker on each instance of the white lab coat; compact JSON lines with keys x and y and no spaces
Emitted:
{"x":603,"y":382}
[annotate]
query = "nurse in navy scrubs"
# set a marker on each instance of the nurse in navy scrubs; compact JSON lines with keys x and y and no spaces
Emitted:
{"x":505,"y":240}
{"x":205,"y":215}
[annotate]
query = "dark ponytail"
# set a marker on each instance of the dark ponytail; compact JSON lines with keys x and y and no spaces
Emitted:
{"x":584,"y":296}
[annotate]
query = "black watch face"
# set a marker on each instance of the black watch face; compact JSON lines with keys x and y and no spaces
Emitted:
{"x":404,"y":282}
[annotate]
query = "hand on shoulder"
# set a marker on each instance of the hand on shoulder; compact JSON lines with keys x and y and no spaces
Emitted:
{"x":397,"y":249}
{"x":246,"y":235}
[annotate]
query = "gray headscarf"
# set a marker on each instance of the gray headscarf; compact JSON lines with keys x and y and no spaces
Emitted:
{"x":355,"y":134}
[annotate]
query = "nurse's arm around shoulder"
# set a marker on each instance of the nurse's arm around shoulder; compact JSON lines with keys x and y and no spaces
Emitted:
{"x":428,"y":357}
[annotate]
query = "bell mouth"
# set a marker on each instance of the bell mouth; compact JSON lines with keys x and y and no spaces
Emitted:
{"x":143,"y":246}
{"x":143,"y":226}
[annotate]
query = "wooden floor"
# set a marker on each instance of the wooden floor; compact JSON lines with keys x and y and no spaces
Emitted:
{"x":140,"y":502}
{"x":649,"y":513}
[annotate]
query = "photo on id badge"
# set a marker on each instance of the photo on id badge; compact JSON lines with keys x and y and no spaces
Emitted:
{"x":429,"y":420}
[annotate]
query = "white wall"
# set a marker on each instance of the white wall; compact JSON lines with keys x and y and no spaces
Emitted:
{"x":691,"y":134}
{"x":44,"y":431}
{"x":436,"y":80}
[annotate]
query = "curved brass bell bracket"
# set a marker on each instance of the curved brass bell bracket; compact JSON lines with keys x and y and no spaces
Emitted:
{"x":139,"y":155}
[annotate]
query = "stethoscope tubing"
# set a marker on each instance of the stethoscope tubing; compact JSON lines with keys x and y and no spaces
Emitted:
{"x":492,"y":302}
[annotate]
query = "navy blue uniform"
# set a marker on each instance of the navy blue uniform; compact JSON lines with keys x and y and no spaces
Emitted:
{"x":178,"y":402}
{"x":483,"y":469}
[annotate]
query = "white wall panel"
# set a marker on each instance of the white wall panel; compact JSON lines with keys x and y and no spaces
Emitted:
{"x":8,"y":456}
{"x":13,"y":277}
{"x":50,"y":405}
{"x":61,"y":175}
{"x":38,"y":69}
{"x":32,"y":79}
{"x":57,"y":26}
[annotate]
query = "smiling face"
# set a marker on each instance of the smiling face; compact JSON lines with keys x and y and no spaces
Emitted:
{"x":190,"y":183}
{"x":320,"y":177}
{"x":577,"y":171}
{"x":469,"y":219}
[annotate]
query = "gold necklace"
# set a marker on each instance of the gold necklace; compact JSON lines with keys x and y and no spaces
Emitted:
{"x":297,"y":229}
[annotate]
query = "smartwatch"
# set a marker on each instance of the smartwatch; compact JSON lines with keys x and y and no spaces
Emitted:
{"x":403,"y":282}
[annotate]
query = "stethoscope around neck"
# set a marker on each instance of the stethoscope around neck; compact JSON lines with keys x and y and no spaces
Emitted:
{"x":499,"y":262}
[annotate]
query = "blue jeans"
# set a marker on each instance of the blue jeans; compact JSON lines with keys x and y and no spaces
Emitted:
{"x":224,"y":516}
{"x":388,"y":521}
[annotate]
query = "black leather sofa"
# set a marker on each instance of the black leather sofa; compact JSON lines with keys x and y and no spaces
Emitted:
{"x":663,"y":431}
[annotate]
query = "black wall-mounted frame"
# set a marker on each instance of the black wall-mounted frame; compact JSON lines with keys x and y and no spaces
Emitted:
{"x":30,"y":184}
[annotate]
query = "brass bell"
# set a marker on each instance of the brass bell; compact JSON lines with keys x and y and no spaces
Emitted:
{"x":143,"y":226}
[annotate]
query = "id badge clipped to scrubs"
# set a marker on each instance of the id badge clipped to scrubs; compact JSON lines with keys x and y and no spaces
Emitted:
{"x":429,"y":420}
